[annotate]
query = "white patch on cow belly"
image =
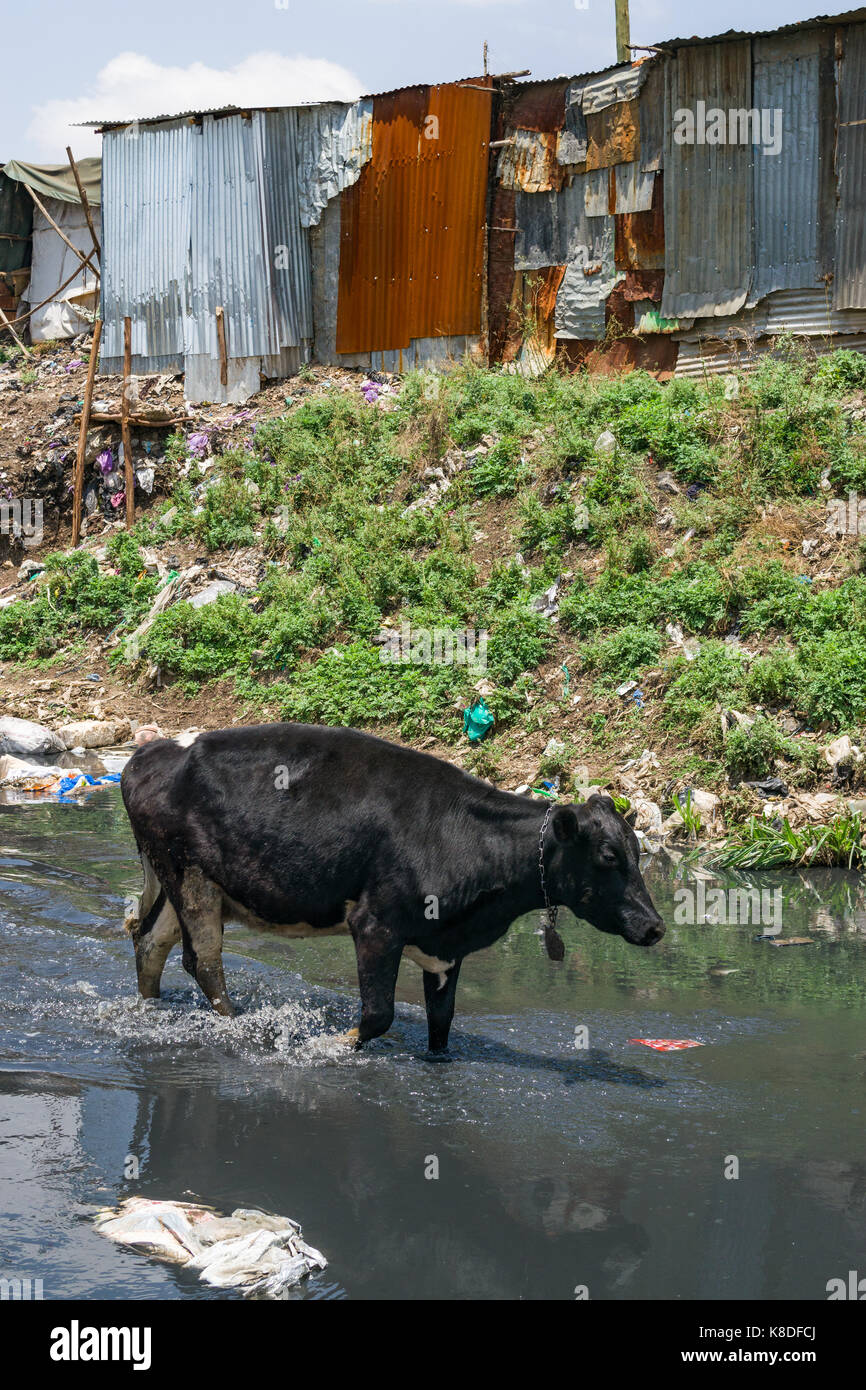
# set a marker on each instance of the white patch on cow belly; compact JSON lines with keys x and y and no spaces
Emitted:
{"x":431,"y":964}
{"x":236,"y":912}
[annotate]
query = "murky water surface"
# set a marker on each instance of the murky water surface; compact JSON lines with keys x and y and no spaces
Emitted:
{"x":558,"y":1165}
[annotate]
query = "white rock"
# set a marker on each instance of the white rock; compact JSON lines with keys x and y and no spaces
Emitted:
{"x":93,"y":733}
{"x":26,"y":739}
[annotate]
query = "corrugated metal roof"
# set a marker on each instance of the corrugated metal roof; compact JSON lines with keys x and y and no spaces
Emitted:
{"x":708,"y":189}
{"x":732,"y":35}
{"x":412,"y":234}
{"x":849,"y":285}
{"x":785,"y":81}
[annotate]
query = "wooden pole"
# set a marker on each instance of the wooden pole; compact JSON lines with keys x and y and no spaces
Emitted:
{"x":623,"y":32}
{"x":221,"y":340}
{"x":125,"y":437}
{"x":6,"y":324}
{"x":63,"y":237}
{"x":84,"y":202}
{"x":78,"y":484}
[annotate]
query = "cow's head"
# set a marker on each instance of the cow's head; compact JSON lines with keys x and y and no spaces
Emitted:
{"x":596,"y":872}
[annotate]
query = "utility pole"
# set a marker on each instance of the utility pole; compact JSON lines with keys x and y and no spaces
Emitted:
{"x":485,"y":57}
{"x":623,"y":35}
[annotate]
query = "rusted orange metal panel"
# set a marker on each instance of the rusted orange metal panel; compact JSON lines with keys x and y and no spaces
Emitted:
{"x":639,"y":237}
{"x":613,"y":135}
{"x":412,"y":227}
{"x":654,"y":352}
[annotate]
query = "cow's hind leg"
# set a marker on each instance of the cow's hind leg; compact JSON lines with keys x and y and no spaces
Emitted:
{"x":378,"y":952}
{"x":201,"y":922}
{"x":154,"y":928}
{"x":439,"y":994}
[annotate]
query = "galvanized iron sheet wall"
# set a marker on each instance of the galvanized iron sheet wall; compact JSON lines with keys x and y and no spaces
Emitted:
{"x":708,"y":188}
{"x":146,"y":209}
{"x":785,"y":74}
{"x":849,"y":285}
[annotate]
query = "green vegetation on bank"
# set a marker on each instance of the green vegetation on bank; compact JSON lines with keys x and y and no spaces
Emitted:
{"x":323,"y":491}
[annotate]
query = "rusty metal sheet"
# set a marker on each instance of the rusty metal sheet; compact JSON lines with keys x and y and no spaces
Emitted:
{"x":529,"y":162}
{"x":412,"y":227}
{"x":654,"y":353}
{"x":639,"y":237}
{"x":643,"y":284}
{"x":537,"y":105}
{"x":531,"y":344}
{"x":501,"y":274}
{"x":652,"y":117}
{"x":613,"y":135}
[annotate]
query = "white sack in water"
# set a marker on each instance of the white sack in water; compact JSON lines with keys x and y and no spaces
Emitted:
{"x":251,"y":1250}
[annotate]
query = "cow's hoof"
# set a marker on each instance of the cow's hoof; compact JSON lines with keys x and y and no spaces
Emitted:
{"x":351,"y":1039}
{"x":441,"y":1054}
{"x":224,"y":1007}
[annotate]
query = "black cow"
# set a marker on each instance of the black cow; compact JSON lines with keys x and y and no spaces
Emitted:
{"x":310,"y":831}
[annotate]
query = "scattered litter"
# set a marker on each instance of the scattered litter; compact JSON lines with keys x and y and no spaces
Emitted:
{"x":30,"y":777}
{"x":626,"y":689}
{"x":668,"y":483}
{"x":690,"y":646}
{"x":768,"y":786}
{"x":260,"y":1254}
{"x":477,"y":720}
{"x":547,"y":604}
{"x":606,"y":443}
{"x":212,"y":592}
{"x":80,"y":782}
{"x":667,"y":1044}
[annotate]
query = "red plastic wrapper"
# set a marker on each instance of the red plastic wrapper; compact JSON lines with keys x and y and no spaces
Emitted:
{"x":667,"y":1044}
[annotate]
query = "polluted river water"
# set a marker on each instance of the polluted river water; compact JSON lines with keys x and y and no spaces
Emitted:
{"x":553,"y":1158}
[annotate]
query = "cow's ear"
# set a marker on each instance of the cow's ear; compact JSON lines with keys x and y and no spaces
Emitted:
{"x":565,"y":825}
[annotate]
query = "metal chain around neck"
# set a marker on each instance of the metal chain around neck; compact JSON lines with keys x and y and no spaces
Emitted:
{"x":548,"y":907}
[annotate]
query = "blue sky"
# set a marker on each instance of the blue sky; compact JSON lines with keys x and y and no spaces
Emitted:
{"x":94,"y":59}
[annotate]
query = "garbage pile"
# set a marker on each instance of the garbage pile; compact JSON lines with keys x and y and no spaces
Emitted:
{"x":261,"y":1255}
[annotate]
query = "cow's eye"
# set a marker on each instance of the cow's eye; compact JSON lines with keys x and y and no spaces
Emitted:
{"x":607,"y":857}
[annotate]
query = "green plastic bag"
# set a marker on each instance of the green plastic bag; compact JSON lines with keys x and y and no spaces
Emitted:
{"x":477,"y":721}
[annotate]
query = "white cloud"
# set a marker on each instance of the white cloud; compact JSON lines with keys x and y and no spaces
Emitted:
{"x":132,"y":85}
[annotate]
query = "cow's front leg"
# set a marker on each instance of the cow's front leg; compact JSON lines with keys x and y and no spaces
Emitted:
{"x":378,"y":951}
{"x":439,"y":994}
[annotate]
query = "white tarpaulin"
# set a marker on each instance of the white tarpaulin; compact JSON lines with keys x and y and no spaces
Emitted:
{"x":52,"y":263}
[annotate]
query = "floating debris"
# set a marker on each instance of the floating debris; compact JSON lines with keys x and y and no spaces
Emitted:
{"x":260,"y":1254}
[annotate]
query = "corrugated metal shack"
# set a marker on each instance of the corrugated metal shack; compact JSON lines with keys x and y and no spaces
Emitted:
{"x":620,"y":237}
{"x":516,"y":222}
{"x":349,"y":232}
